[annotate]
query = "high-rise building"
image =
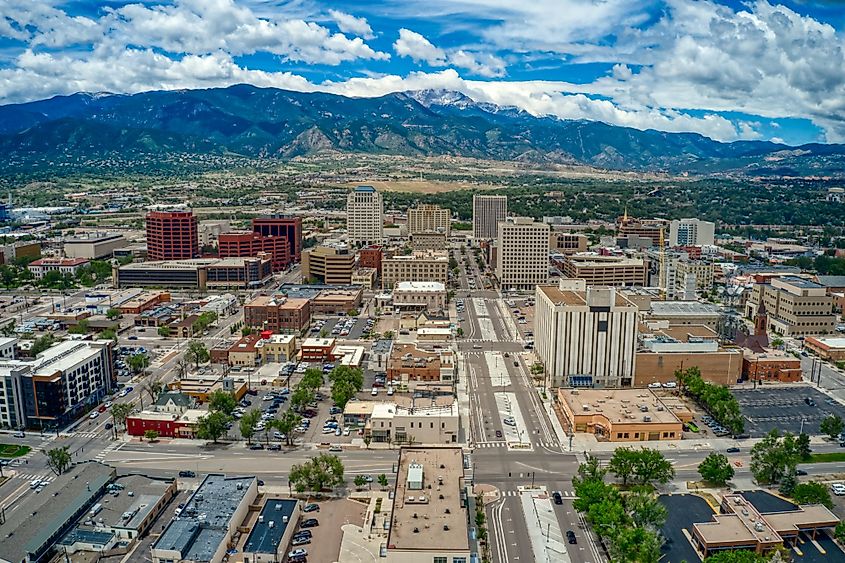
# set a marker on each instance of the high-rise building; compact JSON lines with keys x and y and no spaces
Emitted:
{"x":427,"y":217}
{"x":282,"y":226}
{"x":249,"y":243}
{"x":522,"y":253}
{"x":172,"y":235}
{"x":487,"y":212}
{"x":642,"y":228}
{"x":330,"y":264}
{"x":586,"y":336}
{"x":691,"y":232}
{"x":364,"y":216}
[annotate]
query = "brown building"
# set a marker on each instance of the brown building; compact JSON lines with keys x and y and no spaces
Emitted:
{"x":143,"y":301}
{"x":278,"y":314}
{"x":244,"y":244}
{"x":289,"y":228}
{"x":606,"y":270}
{"x":567,"y":243}
{"x":172,"y":235}
{"x":647,"y":228}
{"x":332,"y":301}
{"x":370,"y":257}
{"x":330,"y":265}
{"x":832,"y":349}
{"x":408,"y":363}
{"x":620,"y":415}
{"x":795,"y":306}
{"x":317,"y":349}
{"x":770,"y":365}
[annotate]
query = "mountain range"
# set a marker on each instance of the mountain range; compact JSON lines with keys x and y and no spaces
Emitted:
{"x":267,"y":123}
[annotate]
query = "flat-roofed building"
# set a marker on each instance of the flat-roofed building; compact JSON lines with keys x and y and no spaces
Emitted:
{"x":428,"y":296}
{"x":329,"y":264}
{"x":278,"y":348}
{"x":410,"y":364}
{"x":419,"y":266}
{"x":621,"y":415}
{"x":365,"y":277}
{"x":427,"y":217}
{"x":619,"y":271}
{"x":586,"y":336}
{"x":691,"y":232}
{"x":645,"y":228}
{"x":337,"y":300}
{"x":285,"y":226}
{"x":795,"y":306}
{"x":65,"y":266}
{"x":428,"y":241}
{"x":443,"y":508}
{"x":143,"y":301}
{"x":770,"y":364}
{"x":208,"y":521}
{"x":317,"y":349}
{"x":172,"y":235}
{"x":700,"y":270}
{"x":271,"y":531}
{"x":419,"y":425}
{"x":277,"y":313}
{"x":250,"y":243}
{"x":568,"y":243}
{"x":202,"y":273}
{"x":487,"y":212}
{"x":522,"y":253}
{"x":364,"y":216}
{"x":370,"y":257}
{"x":683,"y":313}
{"x":93,"y":246}
{"x":832,"y":349}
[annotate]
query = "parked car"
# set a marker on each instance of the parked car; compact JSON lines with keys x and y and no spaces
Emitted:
{"x":303,"y":534}
{"x":299,"y":552}
{"x":509,"y":421}
{"x":274,"y":447}
{"x":300,"y":540}
{"x":311,"y":507}
{"x":309,"y":523}
{"x":187,"y":474}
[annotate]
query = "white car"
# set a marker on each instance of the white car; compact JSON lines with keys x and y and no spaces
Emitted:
{"x":93,"y":415}
{"x":374,"y":392}
{"x":654,"y":385}
{"x":300,"y":552}
{"x":670,"y":385}
{"x":838,"y":489}
{"x":509,"y":421}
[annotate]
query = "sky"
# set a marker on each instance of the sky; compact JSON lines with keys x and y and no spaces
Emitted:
{"x":730,"y":70}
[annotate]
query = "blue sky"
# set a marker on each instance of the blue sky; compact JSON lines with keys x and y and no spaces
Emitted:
{"x":729,"y":70}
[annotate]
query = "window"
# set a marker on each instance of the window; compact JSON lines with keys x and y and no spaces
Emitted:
{"x":459,"y":560}
{"x":440,"y":560}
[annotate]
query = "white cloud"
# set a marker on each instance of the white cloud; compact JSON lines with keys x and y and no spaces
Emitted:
{"x":348,"y":23}
{"x":417,"y":47}
{"x":412,"y":44}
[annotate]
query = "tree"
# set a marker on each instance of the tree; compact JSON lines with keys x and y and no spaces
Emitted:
{"x":839,"y":532}
{"x":222,"y":401}
{"x":802,"y":443}
{"x":325,"y":471}
{"x":300,"y":397}
{"x":460,"y":332}
{"x":138,"y":363}
{"x":197,"y":353}
{"x":635,"y":545}
{"x":367,"y":440}
{"x":246,"y":331}
{"x":787,"y":485}
{"x":164,"y":331}
{"x":108,"y":334}
{"x":735,"y":556}
{"x":120,"y":412}
{"x":623,"y":464}
{"x":346,"y":381}
{"x":342,"y":393}
{"x":286,"y":424}
{"x":360,"y":481}
{"x":352,"y":313}
{"x":645,"y":510}
{"x":248,"y":423}
{"x":382,"y":480}
{"x":212,"y":426}
{"x":812,"y":492}
{"x":42,"y":344}
{"x":651,"y":465}
{"x":113,"y":314}
{"x":591,"y":470}
{"x":58,"y":459}
{"x":716,"y":469}
{"x":80,"y":327}
{"x":151,"y":435}
{"x":832,"y":426}
{"x":312,"y":379}
{"x":773,"y":457}
{"x":590,"y":492}
{"x":153,"y":386}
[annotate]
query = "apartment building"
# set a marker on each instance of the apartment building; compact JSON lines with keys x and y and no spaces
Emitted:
{"x":429,"y":218}
{"x":568,"y":243}
{"x":794,"y":306}
{"x":702,"y":272}
{"x":172,"y":235}
{"x":487,"y":212}
{"x":522,"y":253}
{"x":419,"y":266}
{"x":364,"y":216}
{"x":691,"y":232}
{"x":429,"y":240}
{"x":329,"y":264}
{"x":586,"y":336}
{"x":617,"y":271}
{"x":277,"y":313}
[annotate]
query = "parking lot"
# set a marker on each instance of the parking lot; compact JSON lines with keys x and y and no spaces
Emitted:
{"x":682,"y":512}
{"x":784,"y":408}
{"x":327,"y":535}
{"x":351,"y":328}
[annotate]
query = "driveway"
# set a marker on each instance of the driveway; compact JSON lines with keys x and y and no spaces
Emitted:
{"x":683,"y":512}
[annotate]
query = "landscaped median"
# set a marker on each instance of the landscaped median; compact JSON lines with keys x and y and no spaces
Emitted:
{"x":13,"y":450}
{"x":826,"y":457}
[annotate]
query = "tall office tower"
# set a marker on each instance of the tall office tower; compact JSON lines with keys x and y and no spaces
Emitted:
{"x":364,"y":216}
{"x":487,"y":211}
{"x":427,"y":218}
{"x":282,"y":226}
{"x":172,"y":235}
{"x":691,"y":232}
{"x":522,"y":254}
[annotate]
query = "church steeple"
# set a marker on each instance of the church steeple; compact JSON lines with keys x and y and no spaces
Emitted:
{"x":761,"y":319}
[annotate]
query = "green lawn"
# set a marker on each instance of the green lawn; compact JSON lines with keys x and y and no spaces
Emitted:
{"x":13,"y":450}
{"x":827,"y":457}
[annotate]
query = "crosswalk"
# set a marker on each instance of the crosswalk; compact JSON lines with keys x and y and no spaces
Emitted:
{"x":87,"y":434}
{"x":114,"y":446}
{"x":503,"y":444}
{"x":32,"y":476}
{"x":563,"y":494}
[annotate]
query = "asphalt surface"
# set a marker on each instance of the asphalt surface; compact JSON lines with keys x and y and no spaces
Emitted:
{"x":784,"y":408}
{"x":682,"y":512}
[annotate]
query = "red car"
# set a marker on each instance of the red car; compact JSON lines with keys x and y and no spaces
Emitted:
{"x":102,"y":408}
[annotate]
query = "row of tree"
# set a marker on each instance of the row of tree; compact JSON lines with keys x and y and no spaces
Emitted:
{"x":716,"y":399}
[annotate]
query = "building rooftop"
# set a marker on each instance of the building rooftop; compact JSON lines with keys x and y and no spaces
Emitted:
{"x":420,"y":286}
{"x":270,"y":527}
{"x":364,"y":189}
{"x":421,"y":516}
{"x":576,"y":298}
{"x":831,"y":281}
{"x":801,"y":282}
{"x":831,"y":342}
{"x":620,"y":405}
{"x":59,"y":262}
{"x":382,"y":346}
{"x":683,"y":308}
{"x":318,"y":343}
{"x":65,"y":355}
{"x":197,"y":532}
{"x":37,"y":518}
{"x":125,"y":511}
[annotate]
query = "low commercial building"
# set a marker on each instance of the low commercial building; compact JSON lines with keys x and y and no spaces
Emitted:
{"x":65,"y":266}
{"x":427,"y":296}
{"x":200,"y":387}
{"x":278,"y":348}
{"x":832,"y":349}
{"x":272,"y":531}
{"x":410,"y":364}
{"x":244,"y":352}
{"x":208,"y":521}
{"x":93,"y":246}
{"x":397,"y":424}
{"x":365,"y":277}
{"x":741,"y":526}
{"x":420,"y":266}
{"x":380,"y":354}
{"x":144,"y":301}
{"x":317,"y":349}
{"x":345,"y":355}
{"x":29,"y":533}
{"x":277,"y":313}
{"x":433,"y":334}
{"x":429,"y":240}
{"x":165,"y":424}
{"x":620,"y":415}
{"x":429,"y":519}
{"x":329,"y":264}
{"x":795,"y":306}
{"x":683,"y":313}
{"x":770,"y":364}
{"x":204,"y":273}
{"x":600,"y":270}
{"x":337,"y":300}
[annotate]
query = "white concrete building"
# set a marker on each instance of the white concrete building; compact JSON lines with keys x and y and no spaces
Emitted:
{"x":93,"y":246}
{"x":487,"y":212}
{"x":429,"y":296}
{"x":427,"y":425}
{"x":522,"y":254}
{"x":585,"y":336}
{"x":365,"y":216}
{"x":420,"y":266}
{"x":427,"y":217}
{"x":691,"y":232}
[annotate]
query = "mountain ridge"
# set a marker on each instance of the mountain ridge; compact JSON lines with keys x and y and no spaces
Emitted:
{"x":264,"y":123}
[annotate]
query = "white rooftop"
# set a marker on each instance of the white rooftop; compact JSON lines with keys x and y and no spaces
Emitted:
{"x":420,"y":286}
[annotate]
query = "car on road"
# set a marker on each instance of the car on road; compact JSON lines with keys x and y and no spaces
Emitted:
{"x":558,"y":498}
{"x":274,"y":447}
{"x":570,"y":537}
{"x":187,"y":474}
{"x":94,"y":415}
{"x":733,"y":450}
{"x":800,"y":472}
{"x":257,"y":447}
{"x":510,"y":421}
{"x":20,"y":434}
{"x":498,"y":433}
{"x":109,"y":426}
{"x":309,"y":523}
{"x":311,"y":507}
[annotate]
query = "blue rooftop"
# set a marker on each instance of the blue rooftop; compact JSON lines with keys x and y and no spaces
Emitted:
{"x":368,"y":189}
{"x":269,"y":530}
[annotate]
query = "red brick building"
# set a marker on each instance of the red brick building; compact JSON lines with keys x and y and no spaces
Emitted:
{"x":278,"y":314}
{"x":370,"y":257}
{"x":244,"y":244}
{"x":172,"y":235}
{"x":771,"y":365}
{"x":289,"y":228}
{"x":317,"y":349}
{"x":168,"y":425}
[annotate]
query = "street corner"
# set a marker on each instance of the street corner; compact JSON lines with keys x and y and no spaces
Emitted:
{"x":489,"y":493}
